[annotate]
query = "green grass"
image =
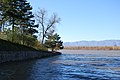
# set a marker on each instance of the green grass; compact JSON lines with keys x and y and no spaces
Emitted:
{"x":9,"y":46}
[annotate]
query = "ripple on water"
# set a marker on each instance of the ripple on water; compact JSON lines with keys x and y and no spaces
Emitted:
{"x":77,"y":65}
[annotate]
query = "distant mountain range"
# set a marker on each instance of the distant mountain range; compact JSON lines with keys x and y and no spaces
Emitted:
{"x":94,"y":43}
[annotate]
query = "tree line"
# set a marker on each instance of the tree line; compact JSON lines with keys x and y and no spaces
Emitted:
{"x":17,"y":24}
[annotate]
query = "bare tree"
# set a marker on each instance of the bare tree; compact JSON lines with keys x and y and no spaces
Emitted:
{"x":46,"y":24}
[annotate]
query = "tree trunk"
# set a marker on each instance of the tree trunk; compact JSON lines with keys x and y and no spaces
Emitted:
{"x":52,"y":49}
{"x":13,"y":30}
{"x":43,"y":39}
{"x":43,"y":33}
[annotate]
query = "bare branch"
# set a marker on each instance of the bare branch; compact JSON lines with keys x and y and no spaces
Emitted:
{"x":46,"y":24}
{"x":52,"y":21}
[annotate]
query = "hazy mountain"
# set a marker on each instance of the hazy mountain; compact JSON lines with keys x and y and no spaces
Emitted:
{"x":94,"y":43}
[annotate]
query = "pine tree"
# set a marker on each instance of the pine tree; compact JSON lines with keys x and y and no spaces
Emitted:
{"x":3,"y":8}
{"x":10,"y":13}
{"x":53,"y":41}
{"x":25,"y":19}
{"x":18,"y":13}
{"x":25,"y":16}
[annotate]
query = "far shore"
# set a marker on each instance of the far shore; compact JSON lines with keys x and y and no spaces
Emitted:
{"x":92,"y":48}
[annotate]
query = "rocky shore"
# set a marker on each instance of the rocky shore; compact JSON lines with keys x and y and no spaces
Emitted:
{"x":7,"y":56}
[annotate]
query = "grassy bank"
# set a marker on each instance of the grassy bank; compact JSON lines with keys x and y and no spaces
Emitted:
{"x":9,"y":46}
{"x":93,"y":48}
{"x":15,"y":52}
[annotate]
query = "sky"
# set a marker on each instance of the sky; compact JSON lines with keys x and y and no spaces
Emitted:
{"x":84,"y":19}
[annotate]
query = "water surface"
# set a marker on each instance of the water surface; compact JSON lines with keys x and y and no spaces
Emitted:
{"x":71,"y":65}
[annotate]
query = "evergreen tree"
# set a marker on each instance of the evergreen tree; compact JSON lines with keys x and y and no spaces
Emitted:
{"x":3,"y":18}
{"x":53,"y":41}
{"x":18,"y":13}
{"x":25,"y":19}
{"x":10,"y":13}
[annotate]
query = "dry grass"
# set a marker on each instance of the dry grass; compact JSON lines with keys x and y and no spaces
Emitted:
{"x":93,"y":48}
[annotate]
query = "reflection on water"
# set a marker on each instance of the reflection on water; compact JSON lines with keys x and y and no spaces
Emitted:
{"x":71,"y":65}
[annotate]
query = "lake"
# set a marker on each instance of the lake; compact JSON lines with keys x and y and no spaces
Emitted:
{"x":71,"y":65}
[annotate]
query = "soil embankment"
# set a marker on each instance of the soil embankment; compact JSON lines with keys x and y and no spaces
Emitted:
{"x":15,"y":52}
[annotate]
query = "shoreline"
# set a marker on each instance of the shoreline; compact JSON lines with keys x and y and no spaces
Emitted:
{"x":92,"y":48}
{"x":11,"y":56}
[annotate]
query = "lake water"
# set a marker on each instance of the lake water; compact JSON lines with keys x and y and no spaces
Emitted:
{"x":71,"y":65}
